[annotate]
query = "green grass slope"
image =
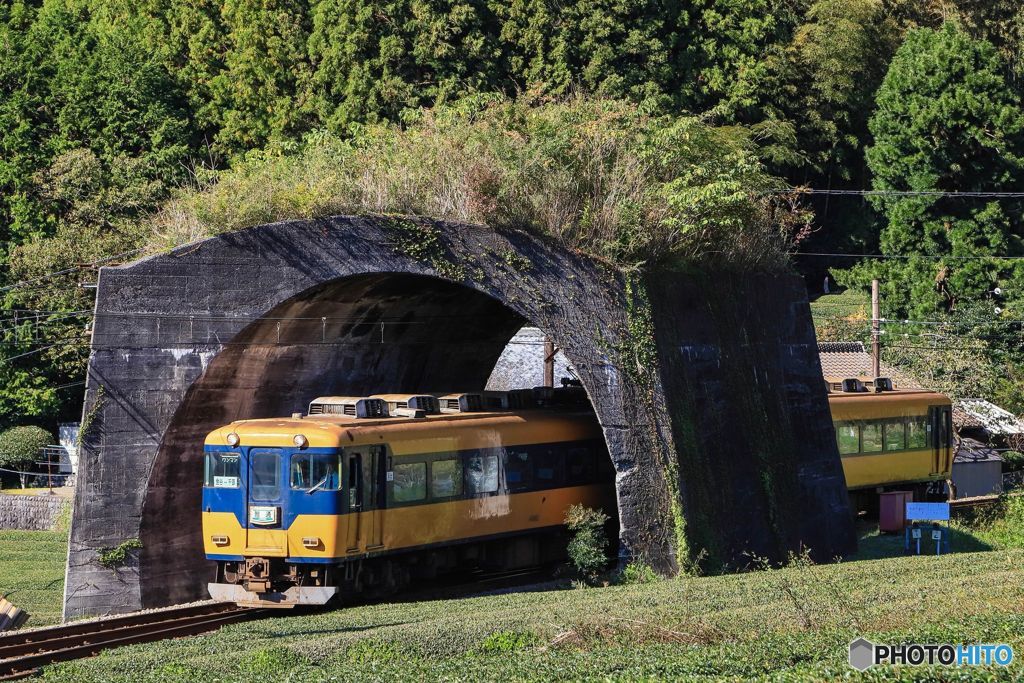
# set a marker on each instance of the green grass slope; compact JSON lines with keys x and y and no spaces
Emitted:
{"x":782,"y":624}
{"x":32,"y":572}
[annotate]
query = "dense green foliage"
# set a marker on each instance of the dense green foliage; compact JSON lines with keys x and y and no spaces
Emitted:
{"x":129,"y":124}
{"x":600,"y":175}
{"x":946,"y":120}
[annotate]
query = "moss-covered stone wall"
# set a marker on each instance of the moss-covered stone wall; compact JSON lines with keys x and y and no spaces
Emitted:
{"x":758,"y":473}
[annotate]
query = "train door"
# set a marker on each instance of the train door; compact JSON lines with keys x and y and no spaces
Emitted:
{"x":355,"y":490}
{"x":264,"y":498}
{"x":376,"y":473}
{"x":940,"y":421}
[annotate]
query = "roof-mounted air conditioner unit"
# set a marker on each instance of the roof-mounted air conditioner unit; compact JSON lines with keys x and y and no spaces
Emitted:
{"x":352,"y":406}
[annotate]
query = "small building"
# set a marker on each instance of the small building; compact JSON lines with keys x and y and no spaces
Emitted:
{"x":985,"y":421}
{"x":977,"y":470}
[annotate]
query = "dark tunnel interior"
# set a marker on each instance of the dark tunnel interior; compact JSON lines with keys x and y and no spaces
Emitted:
{"x":379,"y":333}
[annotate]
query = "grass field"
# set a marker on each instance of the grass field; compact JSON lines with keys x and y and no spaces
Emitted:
{"x":793,"y":623}
{"x":32,"y":572}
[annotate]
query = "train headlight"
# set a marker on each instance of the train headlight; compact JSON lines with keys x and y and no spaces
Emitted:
{"x":233,"y":439}
{"x":311,"y":541}
{"x":219,"y":540}
{"x":300,"y":441}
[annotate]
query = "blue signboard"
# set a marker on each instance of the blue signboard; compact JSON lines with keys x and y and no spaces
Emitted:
{"x":932,"y":512}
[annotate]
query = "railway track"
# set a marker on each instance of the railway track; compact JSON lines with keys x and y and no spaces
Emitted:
{"x":22,"y":653}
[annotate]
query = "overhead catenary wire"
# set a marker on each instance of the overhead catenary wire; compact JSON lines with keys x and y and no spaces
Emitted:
{"x":944,"y":257}
{"x":73,"y":269}
{"x":943,"y":194}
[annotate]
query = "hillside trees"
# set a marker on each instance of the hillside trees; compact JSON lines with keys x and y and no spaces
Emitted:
{"x":110,"y":109}
{"x":945,"y":120}
{"x":371,"y":61}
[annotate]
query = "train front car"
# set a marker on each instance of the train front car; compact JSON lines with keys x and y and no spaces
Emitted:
{"x":350,"y":500}
{"x":271,"y":511}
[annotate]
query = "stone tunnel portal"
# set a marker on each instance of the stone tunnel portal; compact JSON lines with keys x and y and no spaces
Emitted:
{"x":256,"y":323}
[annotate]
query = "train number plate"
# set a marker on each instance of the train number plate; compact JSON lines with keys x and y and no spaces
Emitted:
{"x":263,"y":515}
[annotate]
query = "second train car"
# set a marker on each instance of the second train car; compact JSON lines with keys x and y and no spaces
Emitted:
{"x":891,"y":438}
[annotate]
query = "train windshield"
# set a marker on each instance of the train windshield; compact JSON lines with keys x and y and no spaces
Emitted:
{"x":264,"y":474}
{"x":320,"y":471}
{"x":222,"y":470}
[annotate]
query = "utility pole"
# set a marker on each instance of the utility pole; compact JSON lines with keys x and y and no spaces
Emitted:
{"x":549,"y":362}
{"x":876,"y":322}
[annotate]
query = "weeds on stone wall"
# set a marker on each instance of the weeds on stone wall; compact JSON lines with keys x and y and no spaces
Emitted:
{"x":115,"y":557}
{"x":638,"y":357}
{"x":422,"y":242}
{"x":89,"y":419}
{"x":600,"y":175}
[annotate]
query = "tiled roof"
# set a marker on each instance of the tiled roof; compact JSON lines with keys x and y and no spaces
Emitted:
{"x":842,"y":360}
{"x":971,"y":450}
{"x":979,"y":413}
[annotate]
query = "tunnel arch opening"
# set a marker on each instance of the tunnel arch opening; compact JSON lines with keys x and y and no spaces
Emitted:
{"x":357,"y":335}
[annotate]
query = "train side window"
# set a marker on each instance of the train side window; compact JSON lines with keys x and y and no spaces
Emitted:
{"x":355,"y":482}
{"x":894,"y":435}
{"x":482,"y":474}
{"x":871,"y":437}
{"x":547,"y":469}
{"x":580,"y":466}
{"x":917,"y":433}
{"x":410,"y":482}
{"x":847,"y":438}
{"x":445,"y":478}
{"x":222,"y":470}
{"x":518,"y":476}
{"x":320,"y":470}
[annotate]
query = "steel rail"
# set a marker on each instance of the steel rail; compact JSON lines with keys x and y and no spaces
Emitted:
{"x":21,"y":654}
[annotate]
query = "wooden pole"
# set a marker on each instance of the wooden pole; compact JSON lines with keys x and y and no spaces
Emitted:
{"x":876,"y":346}
{"x":549,"y":362}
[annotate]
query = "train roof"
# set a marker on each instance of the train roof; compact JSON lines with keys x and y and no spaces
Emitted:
{"x":445,"y":431}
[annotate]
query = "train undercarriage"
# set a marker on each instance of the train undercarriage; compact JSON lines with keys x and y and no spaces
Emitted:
{"x":274,"y":582}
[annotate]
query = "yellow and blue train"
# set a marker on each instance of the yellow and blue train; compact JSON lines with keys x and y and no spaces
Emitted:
{"x":364,"y":494}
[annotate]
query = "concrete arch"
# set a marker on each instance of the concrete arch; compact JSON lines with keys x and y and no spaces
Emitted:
{"x":186,"y":341}
{"x":256,"y":322}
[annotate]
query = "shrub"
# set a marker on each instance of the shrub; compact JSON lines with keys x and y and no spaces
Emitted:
{"x":20,"y":447}
{"x":637,"y":572}
{"x":604,"y":176}
{"x":508,"y":641}
{"x":1013,"y":461}
{"x":588,"y":547}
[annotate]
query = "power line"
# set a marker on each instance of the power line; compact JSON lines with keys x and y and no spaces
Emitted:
{"x":83,"y":266}
{"x":899,"y":193}
{"x":944,"y":257}
{"x":29,"y":353}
